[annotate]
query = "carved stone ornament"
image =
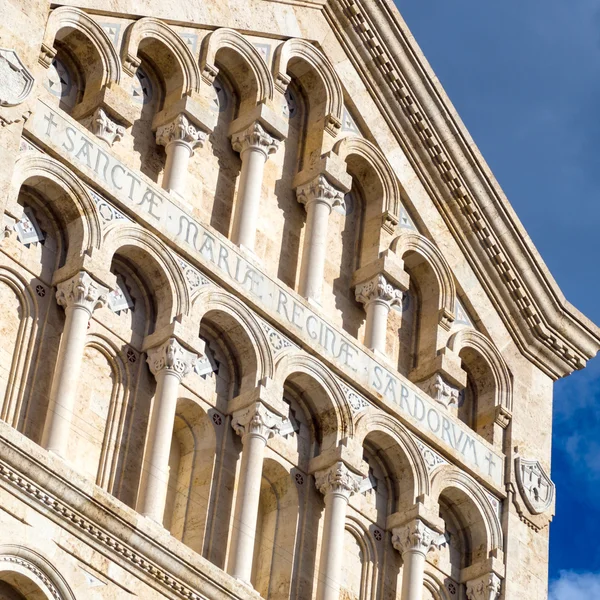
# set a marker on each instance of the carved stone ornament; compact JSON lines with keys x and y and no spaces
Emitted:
{"x":257,"y":420}
{"x":416,"y":537}
{"x":171,"y":357}
{"x":486,"y":587}
{"x":536,"y":488}
{"x":441,"y":391}
{"x":15,"y":80}
{"x":105,"y":128}
{"x":319,"y":189}
{"x":255,"y":137}
{"x":180,"y":129}
{"x":81,"y":291}
{"x":338,"y":479}
{"x":378,"y":288}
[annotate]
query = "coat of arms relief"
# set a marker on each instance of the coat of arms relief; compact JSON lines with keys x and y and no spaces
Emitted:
{"x":536,"y":491}
{"x":16,"y":83}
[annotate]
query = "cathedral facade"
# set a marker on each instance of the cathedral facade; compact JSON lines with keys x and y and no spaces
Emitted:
{"x":269,"y":327}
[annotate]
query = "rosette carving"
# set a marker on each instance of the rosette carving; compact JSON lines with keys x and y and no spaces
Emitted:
{"x":378,"y":288}
{"x":81,"y":291}
{"x":255,"y":137}
{"x":337,"y":479}
{"x":172,"y":357}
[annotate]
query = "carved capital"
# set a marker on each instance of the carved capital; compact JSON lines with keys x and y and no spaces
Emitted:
{"x":171,"y":357}
{"x":257,"y":420}
{"x":103,"y":127}
{"x":254,"y":137}
{"x":180,"y":130}
{"x":337,"y":479}
{"x":320,"y":190}
{"x":440,"y":390}
{"x":416,"y":537}
{"x":81,"y":291}
{"x":378,"y":288}
{"x":486,"y":587}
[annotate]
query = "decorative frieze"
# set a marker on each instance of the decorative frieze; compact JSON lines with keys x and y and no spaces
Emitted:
{"x":431,"y":457}
{"x":355,"y":400}
{"x":108,"y":213}
{"x":172,"y":357}
{"x":486,"y":587}
{"x":81,"y":291}
{"x":257,"y":420}
{"x":338,"y":479}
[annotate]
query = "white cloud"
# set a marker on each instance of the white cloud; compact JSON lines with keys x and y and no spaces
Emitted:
{"x":575,"y":586}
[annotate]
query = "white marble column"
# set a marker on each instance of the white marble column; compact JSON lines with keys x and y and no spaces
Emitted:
{"x":319,"y":197}
{"x":378,"y":296}
{"x":180,"y":138}
{"x":255,"y":146}
{"x":337,"y":484}
{"x":486,"y":587}
{"x":255,"y":424}
{"x":169,"y":362}
{"x":414,"y":540}
{"x":79,"y":296}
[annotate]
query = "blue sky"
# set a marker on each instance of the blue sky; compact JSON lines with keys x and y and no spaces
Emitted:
{"x":525,"y":77}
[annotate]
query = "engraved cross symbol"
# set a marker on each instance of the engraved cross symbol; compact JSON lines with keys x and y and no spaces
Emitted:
{"x":49,"y":118}
{"x":491,"y":463}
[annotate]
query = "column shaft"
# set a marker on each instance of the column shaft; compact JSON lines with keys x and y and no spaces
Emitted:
{"x":64,"y":385}
{"x":413,"y":574}
{"x":176,"y":166}
{"x":332,"y":547}
{"x":246,"y":506}
{"x":314,"y":249}
{"x":248,"y":202}
{"x":376,"y":325}
{"x":154,"y":494}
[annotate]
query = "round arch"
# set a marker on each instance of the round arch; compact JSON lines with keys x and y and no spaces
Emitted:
{"x":71,"y":200}
{"x":484,"y":524}
{"x":20,"y":567}
{"x":228,"y":38}
{"x":470,"y":338}
{"x":151,"y":28}
{"x":410,"y":241}
{"x":162,"y":273}
{"x":66,"y":17}
{"x":299,"y":48}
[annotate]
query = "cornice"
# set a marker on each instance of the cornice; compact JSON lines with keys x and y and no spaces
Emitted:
{"x":547,"y":329}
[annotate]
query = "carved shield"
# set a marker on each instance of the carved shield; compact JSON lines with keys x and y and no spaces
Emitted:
{"x":535,"y":486}
{"x":15,"y":80}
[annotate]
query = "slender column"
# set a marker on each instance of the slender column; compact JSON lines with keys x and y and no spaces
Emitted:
{"x":337,"y":484}
{"x":414,"y":540}
{"x":169,"y":363}
{"x":255,"y":424}
{"x":180,"y":138}
{"x":319,"y":198}
{"x":486,"y":587}
{"x":255,"y":146}
{"x":79,"y":296}
{"x":378,"y":296}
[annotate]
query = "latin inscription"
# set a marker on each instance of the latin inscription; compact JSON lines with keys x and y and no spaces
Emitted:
{"x":81,"y":150}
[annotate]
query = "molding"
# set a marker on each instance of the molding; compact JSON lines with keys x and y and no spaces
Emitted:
{"x":547,"y":329}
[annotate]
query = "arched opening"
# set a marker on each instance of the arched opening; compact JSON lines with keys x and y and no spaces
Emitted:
{"x":193,"y":476}
{"x":278,"y":518}
{"x":354,"y":567}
